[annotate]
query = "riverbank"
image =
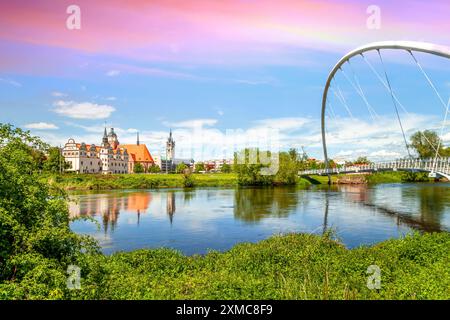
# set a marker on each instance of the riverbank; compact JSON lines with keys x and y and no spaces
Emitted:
{"x":136,"y":181}
{"x":153,"y":181}
{"x":294,"y":266}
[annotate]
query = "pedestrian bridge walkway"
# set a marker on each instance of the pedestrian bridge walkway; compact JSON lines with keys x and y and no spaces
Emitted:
{"x":437,"y":168}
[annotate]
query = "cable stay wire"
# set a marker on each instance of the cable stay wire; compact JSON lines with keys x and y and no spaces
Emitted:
{"x":396,"y":99}
{"x":395,"y":104}
{"x":360,"y":89}
{"x":429,"y":80}
{"x":333,"y":114}
{"x":384,"y":83}
{"x":442,"y":133}
{"x":369,"y":108}
{"x":342,"y":99}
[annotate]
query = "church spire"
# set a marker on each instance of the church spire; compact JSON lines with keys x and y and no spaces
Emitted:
{"x":105,"y":137}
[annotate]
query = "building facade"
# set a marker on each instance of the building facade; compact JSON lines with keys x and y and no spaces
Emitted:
{"x":169,"y":163}
{"x":110,"y":157}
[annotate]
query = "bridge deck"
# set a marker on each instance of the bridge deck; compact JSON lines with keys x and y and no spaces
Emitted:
{"x":439,"y":167}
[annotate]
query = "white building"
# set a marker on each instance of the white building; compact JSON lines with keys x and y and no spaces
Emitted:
{"x":95,"y":159}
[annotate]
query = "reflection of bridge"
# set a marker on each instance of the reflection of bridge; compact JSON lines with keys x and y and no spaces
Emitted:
{"x":436,"y":167}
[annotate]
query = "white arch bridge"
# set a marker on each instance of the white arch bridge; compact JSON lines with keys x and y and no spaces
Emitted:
{"x":439,"y":168}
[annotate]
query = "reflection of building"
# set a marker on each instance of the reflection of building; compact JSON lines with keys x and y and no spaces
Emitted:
{"x":110,"y":157}
{"x":170,"y":205}
{"x":109,"y":206}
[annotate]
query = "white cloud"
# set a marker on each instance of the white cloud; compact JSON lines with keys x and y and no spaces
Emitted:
{"x":83,"y":110}
{"x":11,"y":82}
{"x":112,"y":73}
{"x":194,"y":123}
{"x":111,"y":98}
{"x":58,"y":94}
{"x":283,"y":123}
{"x":41,"y":126}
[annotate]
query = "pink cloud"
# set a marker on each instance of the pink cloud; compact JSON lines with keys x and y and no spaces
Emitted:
{"x":219,"y":31}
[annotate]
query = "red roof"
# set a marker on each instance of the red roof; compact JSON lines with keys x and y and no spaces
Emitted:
{"x":139,"y":153}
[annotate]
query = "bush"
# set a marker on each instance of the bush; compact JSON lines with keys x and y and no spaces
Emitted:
{"x":36,"y":243}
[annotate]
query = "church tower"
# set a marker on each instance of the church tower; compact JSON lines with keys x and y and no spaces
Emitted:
{"x":112,"y":139}
{"x":105,"y":153}
{"x":170,"y":147}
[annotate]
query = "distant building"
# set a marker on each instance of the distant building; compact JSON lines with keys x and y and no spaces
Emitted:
{"x":169,"y":163}
{"x":109,"y":157}
{"x":216,"y":165}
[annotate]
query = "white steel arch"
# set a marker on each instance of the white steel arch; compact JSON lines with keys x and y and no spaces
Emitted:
{"x":438,"y":50}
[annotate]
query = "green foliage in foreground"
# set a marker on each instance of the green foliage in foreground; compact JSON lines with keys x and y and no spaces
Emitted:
{"x":294,"y":266}
{"x":36,"y":243}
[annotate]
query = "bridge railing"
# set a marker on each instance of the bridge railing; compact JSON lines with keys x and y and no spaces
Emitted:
{"x":441,"y":165}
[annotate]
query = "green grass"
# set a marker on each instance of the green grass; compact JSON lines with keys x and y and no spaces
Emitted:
{"x":136,"y":181}
{"x":150,"y":181}
{"x":293,"y":266}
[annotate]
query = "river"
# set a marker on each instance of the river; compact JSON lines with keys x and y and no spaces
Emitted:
{"x":195,"y":221}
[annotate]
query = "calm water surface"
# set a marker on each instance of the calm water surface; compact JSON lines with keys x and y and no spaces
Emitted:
{"x":201,"y":219}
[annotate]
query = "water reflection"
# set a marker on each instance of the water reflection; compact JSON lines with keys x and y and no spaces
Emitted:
{"x":197,"y":220}
{"x":419,"y":206}
{"x":170,"y":205}
{"x":109,"y":206}
{"x":251,"y":206}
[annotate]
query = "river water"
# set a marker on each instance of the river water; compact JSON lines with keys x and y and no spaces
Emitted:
{"x":197,"y":220}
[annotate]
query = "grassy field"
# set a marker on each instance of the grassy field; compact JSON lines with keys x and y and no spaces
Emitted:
{"x":136,"y":181}
{"x":294,"y":266}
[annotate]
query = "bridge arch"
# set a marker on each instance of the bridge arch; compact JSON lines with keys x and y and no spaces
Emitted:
{"x":424,"y":47}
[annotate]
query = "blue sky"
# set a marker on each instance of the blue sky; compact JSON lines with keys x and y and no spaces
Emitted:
{"x":59,"y":91}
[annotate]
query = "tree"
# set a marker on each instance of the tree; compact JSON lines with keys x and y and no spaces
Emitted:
{"x":154,"y":169}
{"x":180,"y":167}
{"x":293,"y":154}
{"x":361,"y":160}
{"x":138,"y":168}
{"x":249,"y":173}
{"x":226,"y":168}
{"x":55,"y":162}
{"x":36,"y":242}
{"x":200,"y":166}
{"x":425,"y":144}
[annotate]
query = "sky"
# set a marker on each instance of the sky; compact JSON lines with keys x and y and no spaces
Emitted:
{"x":222,"y":74}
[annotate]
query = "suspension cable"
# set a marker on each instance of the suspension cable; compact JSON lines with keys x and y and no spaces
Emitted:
{"x":396,"y":99}
{"x":333,"y":114}
{"x":395,"y":104}
{"x":341,"y":98}
{"x":428,"y":79}
{"x":442,"y":133}
{"x":360,"y":94}
{"x":360,"y":89}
